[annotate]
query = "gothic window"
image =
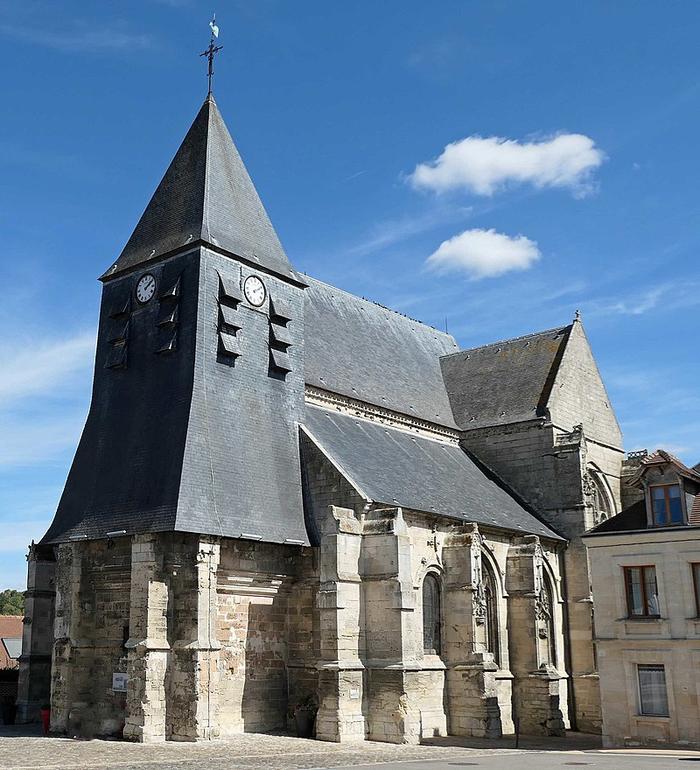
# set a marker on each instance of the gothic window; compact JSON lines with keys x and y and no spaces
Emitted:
{"x":491,"y":601}
{"x":549,"y":649}
{"x":666,"y":504}
{"x":431,"y":615}
{"x":601,"y":501}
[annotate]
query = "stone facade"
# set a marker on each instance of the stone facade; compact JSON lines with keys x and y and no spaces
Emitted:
{"x":568,"y":466}
{"x":654,"y":631}
{"x":221,"y":636}
{"x":277,"y":504}
{"x":672,"y":640}
{"x":38,"y":637}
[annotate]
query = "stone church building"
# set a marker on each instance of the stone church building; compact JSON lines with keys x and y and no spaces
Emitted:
{"x":285,"y":493}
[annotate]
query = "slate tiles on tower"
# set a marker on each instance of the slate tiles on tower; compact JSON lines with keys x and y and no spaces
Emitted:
{"x":118,"y":333}
{"x":167,"y":320}
{"x":229,"y":323}
{"x":280,"y":336}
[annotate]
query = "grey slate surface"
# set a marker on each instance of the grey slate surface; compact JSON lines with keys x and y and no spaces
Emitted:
{"x":206,"y":194}
{"x":631,"y":518}
{"x":504,"y":382}
{"x":127,"y":467}
{"x":396,"y":468}
{"x":188,"y":441}
{"x":362,"y":350}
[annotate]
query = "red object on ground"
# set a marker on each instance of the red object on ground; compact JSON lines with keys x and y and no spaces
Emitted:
{"x":46,"y":720}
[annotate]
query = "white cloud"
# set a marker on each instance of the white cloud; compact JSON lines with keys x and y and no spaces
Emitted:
{"x":484,"y":253}
{"x":484,"y":165}
{"x":32,"y":369}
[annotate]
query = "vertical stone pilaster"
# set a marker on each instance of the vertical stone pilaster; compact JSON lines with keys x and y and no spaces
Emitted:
{"x":472,"y":694}
{"x":405,"y":694}
{"x":537,"y":701}
{"x":195,"y":652}
{"x":341,"y":672}
{"x":68,"y":578}
{"x":34,"y":687}
{"x":148,"y":641}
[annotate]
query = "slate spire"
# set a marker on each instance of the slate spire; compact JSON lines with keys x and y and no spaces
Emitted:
{"x":206,"y":196}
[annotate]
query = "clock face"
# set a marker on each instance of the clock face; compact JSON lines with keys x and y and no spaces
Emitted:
{"x":254,"y":290}
{"x":145,"y":288}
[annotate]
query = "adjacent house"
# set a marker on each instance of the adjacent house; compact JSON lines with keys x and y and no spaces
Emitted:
{"x":10,"y":640}
{"x":645,"y":571}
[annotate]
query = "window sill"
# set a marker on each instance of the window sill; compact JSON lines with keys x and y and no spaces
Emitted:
{"x":652,"y":718}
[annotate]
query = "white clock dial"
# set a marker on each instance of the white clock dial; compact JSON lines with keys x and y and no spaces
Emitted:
{"x":254,"y":290}
{"x":145,"y":288}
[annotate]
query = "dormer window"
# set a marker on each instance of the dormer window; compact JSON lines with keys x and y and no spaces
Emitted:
{"x":666,"y":505}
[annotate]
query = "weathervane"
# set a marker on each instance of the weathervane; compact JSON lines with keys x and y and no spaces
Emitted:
{"x":213,"y":49}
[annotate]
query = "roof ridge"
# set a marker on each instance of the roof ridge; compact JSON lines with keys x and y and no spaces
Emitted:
{"x":669,"y":457}
{"x":511,"y":339}
{"x":381,"y":306}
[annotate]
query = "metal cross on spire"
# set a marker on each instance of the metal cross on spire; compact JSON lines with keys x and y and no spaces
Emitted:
{"x":211,"y":51}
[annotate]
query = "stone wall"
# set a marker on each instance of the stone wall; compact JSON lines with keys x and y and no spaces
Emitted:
{"x":91,"y":629}
{"x":34,"y":687}
{"x":219,"y":636}
{"x":671,"y":641}
{"x":552,"y":470}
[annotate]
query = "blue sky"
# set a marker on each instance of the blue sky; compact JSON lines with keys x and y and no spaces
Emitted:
{"x":571,"y":180}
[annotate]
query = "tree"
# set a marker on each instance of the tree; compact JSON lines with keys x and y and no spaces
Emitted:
{"x":11,"y":602}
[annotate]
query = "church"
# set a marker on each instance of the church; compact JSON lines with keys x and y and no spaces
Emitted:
{"x":287,"y":498}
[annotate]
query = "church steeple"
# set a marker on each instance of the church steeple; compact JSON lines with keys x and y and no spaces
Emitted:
{"x":206,"y":197}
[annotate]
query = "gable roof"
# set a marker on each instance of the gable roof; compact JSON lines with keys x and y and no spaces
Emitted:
{"x":504,"y":382}
{"x":206,"y":195}
{"x":365,"y":351}
{"x":661,"y":457}
{"x":394,"y":467}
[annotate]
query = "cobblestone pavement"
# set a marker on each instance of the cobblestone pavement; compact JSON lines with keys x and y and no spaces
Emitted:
{"x":25,"y":750}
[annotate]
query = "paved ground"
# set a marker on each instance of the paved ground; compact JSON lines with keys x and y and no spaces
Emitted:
{"x":22,"y":749}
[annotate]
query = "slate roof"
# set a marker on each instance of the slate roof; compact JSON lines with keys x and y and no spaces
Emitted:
{"x":365,"y":351}
{"x":206,"y":195}
{"x":504,"y":382}
{"x":633,"y":517}
{"x":395,"y":467}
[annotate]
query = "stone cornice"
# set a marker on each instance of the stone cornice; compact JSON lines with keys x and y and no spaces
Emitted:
{"x":363,"y":410}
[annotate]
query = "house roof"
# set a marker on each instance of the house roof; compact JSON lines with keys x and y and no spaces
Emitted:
{"x":660,"y":457}
{"x":11,"y":626}
{"x":504,"y":382}
{"x":394,"y":467}
{"x":368,"y":352}
{"x":206,"y":195}
{"x":633,"y":517}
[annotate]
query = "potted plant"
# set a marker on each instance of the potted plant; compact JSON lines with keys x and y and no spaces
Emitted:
{"x":45,"y":712}
{"x":304,"y":713}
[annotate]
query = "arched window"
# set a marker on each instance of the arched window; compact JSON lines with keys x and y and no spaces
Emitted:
{"x":547,"y":601}
{"x":431,"y":615}
{"x":491,"y":601}
{"x":601,"y":501}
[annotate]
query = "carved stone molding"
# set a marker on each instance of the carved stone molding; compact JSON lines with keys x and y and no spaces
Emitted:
{"x":356,"y":408}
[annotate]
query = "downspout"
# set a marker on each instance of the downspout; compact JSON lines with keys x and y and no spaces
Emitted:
{"x":571,"y":694}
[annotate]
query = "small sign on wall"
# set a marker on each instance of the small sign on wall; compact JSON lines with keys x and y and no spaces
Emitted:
{"x":119,"y":682}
